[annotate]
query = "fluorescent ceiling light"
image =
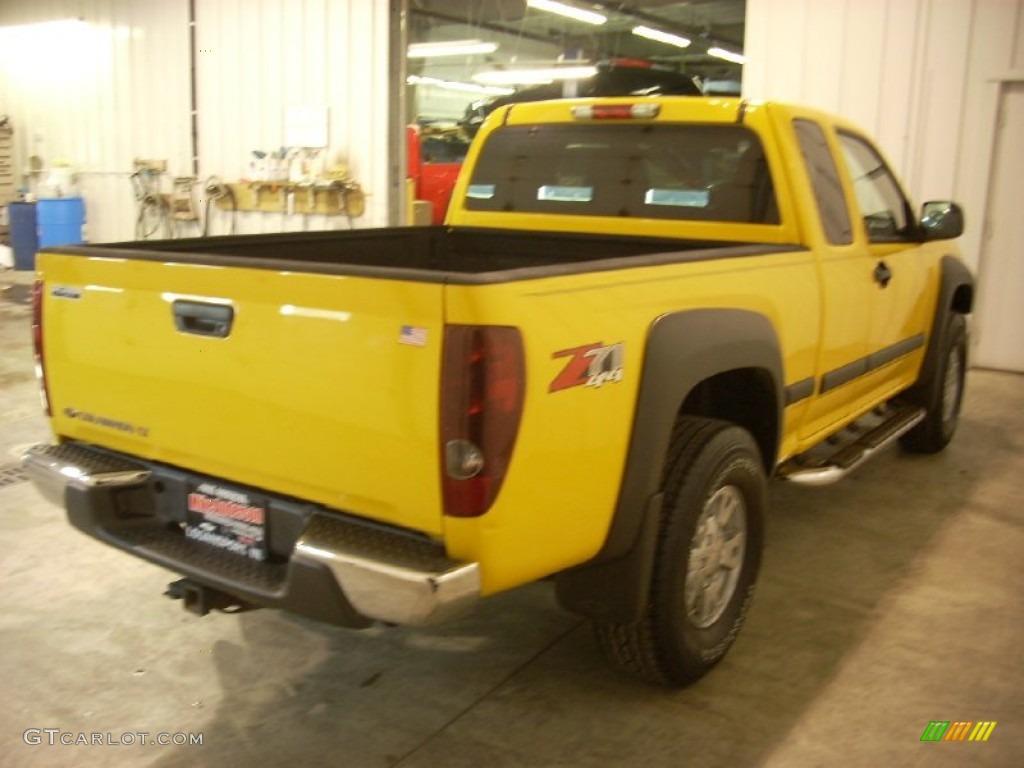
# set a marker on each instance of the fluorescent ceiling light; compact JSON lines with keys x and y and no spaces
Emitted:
{"x":63,"y":41}
{"x":450,"y":48}
{"x":452,"y":85}
{"x":569,"y":11}
{"x":721,"y":53}
{"x":533,"y":76}
{"x":662,"y":37}
{"x":58,"y":25}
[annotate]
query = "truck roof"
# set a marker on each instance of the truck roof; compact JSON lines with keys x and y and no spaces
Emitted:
{"x":703,"y":109}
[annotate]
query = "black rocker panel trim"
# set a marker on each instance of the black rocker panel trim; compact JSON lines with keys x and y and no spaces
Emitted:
{"x":895,"y":351}
{"x":800,"y":390}
{"x":874,"y":361}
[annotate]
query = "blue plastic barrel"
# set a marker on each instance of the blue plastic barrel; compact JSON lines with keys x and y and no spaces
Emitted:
{"x":60,"y":221}
{"x":24,"y":240}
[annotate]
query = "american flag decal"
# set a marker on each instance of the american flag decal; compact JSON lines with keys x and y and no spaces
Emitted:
{"x":413,"y":336}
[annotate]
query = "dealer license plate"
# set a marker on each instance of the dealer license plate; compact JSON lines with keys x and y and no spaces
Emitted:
{"x":227,"y":518}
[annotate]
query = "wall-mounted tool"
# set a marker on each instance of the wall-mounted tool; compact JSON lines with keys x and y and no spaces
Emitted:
{"x":151,"y":209}
{"x":214,"y":190}
{"x":181,"y":204}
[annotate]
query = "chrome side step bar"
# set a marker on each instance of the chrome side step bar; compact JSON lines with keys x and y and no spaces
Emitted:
{"x":836,"y":458}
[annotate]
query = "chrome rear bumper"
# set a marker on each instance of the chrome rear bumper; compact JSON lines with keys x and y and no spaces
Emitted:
{"x":389,"y":578}
{"x":55,"y":468}
{"x":334,"y":567}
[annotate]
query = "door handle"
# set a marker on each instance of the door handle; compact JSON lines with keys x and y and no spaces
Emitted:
{"x":203,"y":319}
{"x":882,"y":274}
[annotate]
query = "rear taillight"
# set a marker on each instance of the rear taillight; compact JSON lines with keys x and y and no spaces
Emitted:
{"x":482,"y":387}
{"x":37,"y":342}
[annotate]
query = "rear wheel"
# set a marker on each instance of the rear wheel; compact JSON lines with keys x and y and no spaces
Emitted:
{"x":708,"y":554}
{"x":942,"y":396}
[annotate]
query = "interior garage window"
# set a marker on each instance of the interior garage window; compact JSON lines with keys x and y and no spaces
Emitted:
{"x":828,"y":190}
{"x":700,"y":173}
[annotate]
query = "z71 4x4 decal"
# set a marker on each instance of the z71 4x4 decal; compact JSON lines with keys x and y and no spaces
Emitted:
{"x":591,"y":365}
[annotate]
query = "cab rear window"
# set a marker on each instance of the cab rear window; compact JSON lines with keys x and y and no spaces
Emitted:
{"x":661,"y":171}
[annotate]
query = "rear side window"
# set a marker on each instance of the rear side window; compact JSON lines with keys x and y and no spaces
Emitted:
{"x":828,"y":190}
{"x":692,"y":172}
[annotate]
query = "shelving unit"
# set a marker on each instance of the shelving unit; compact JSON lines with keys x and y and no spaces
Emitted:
{"x":324,"y":198}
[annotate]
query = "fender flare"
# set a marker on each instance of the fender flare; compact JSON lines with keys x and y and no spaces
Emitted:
{"x":954,"y":275}
{"x":683,"y":349}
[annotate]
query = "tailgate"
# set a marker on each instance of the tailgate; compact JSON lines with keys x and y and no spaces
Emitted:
{"x":321,"y":387}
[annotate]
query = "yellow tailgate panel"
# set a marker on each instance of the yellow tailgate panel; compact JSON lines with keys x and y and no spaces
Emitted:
{"x":326,"y":388}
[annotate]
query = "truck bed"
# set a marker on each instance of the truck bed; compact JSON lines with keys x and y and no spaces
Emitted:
{"x":430,"y":254}
{"x":290,"y":362}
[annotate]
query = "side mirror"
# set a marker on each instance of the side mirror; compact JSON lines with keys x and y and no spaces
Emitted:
{"x":941,"y":220}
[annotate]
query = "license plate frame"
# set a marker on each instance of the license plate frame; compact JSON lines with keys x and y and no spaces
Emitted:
{"x":228,"y":518}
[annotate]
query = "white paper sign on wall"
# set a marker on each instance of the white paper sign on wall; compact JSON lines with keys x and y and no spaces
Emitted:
{"x":305,"y":126}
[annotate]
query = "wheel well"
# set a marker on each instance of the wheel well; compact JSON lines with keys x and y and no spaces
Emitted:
{"x":745,"y":397}
{"x":963,"y":299}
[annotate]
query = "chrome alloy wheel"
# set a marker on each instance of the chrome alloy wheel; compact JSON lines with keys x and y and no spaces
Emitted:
{"x":951,"y":386}
{"x":716,"y":556}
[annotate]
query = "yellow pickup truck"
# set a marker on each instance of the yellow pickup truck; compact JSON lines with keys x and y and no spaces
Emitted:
{"x":638,"y":311}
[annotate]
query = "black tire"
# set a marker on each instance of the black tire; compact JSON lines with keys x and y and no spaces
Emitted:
{"x":714,"y":488}
{"x":942,"y":396}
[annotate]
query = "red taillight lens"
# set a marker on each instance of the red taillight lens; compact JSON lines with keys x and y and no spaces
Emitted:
{"x":37,"y":342}
{"x":482,"y":388}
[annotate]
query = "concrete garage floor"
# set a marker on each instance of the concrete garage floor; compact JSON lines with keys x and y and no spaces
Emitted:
{"x":888,"y":601}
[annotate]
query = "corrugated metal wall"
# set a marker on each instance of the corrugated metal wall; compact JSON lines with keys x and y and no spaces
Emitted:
{"x":97,"y":94}
{"x":258,"y":58}
{"x":923,"y":76}
{"x":118,"y":86}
